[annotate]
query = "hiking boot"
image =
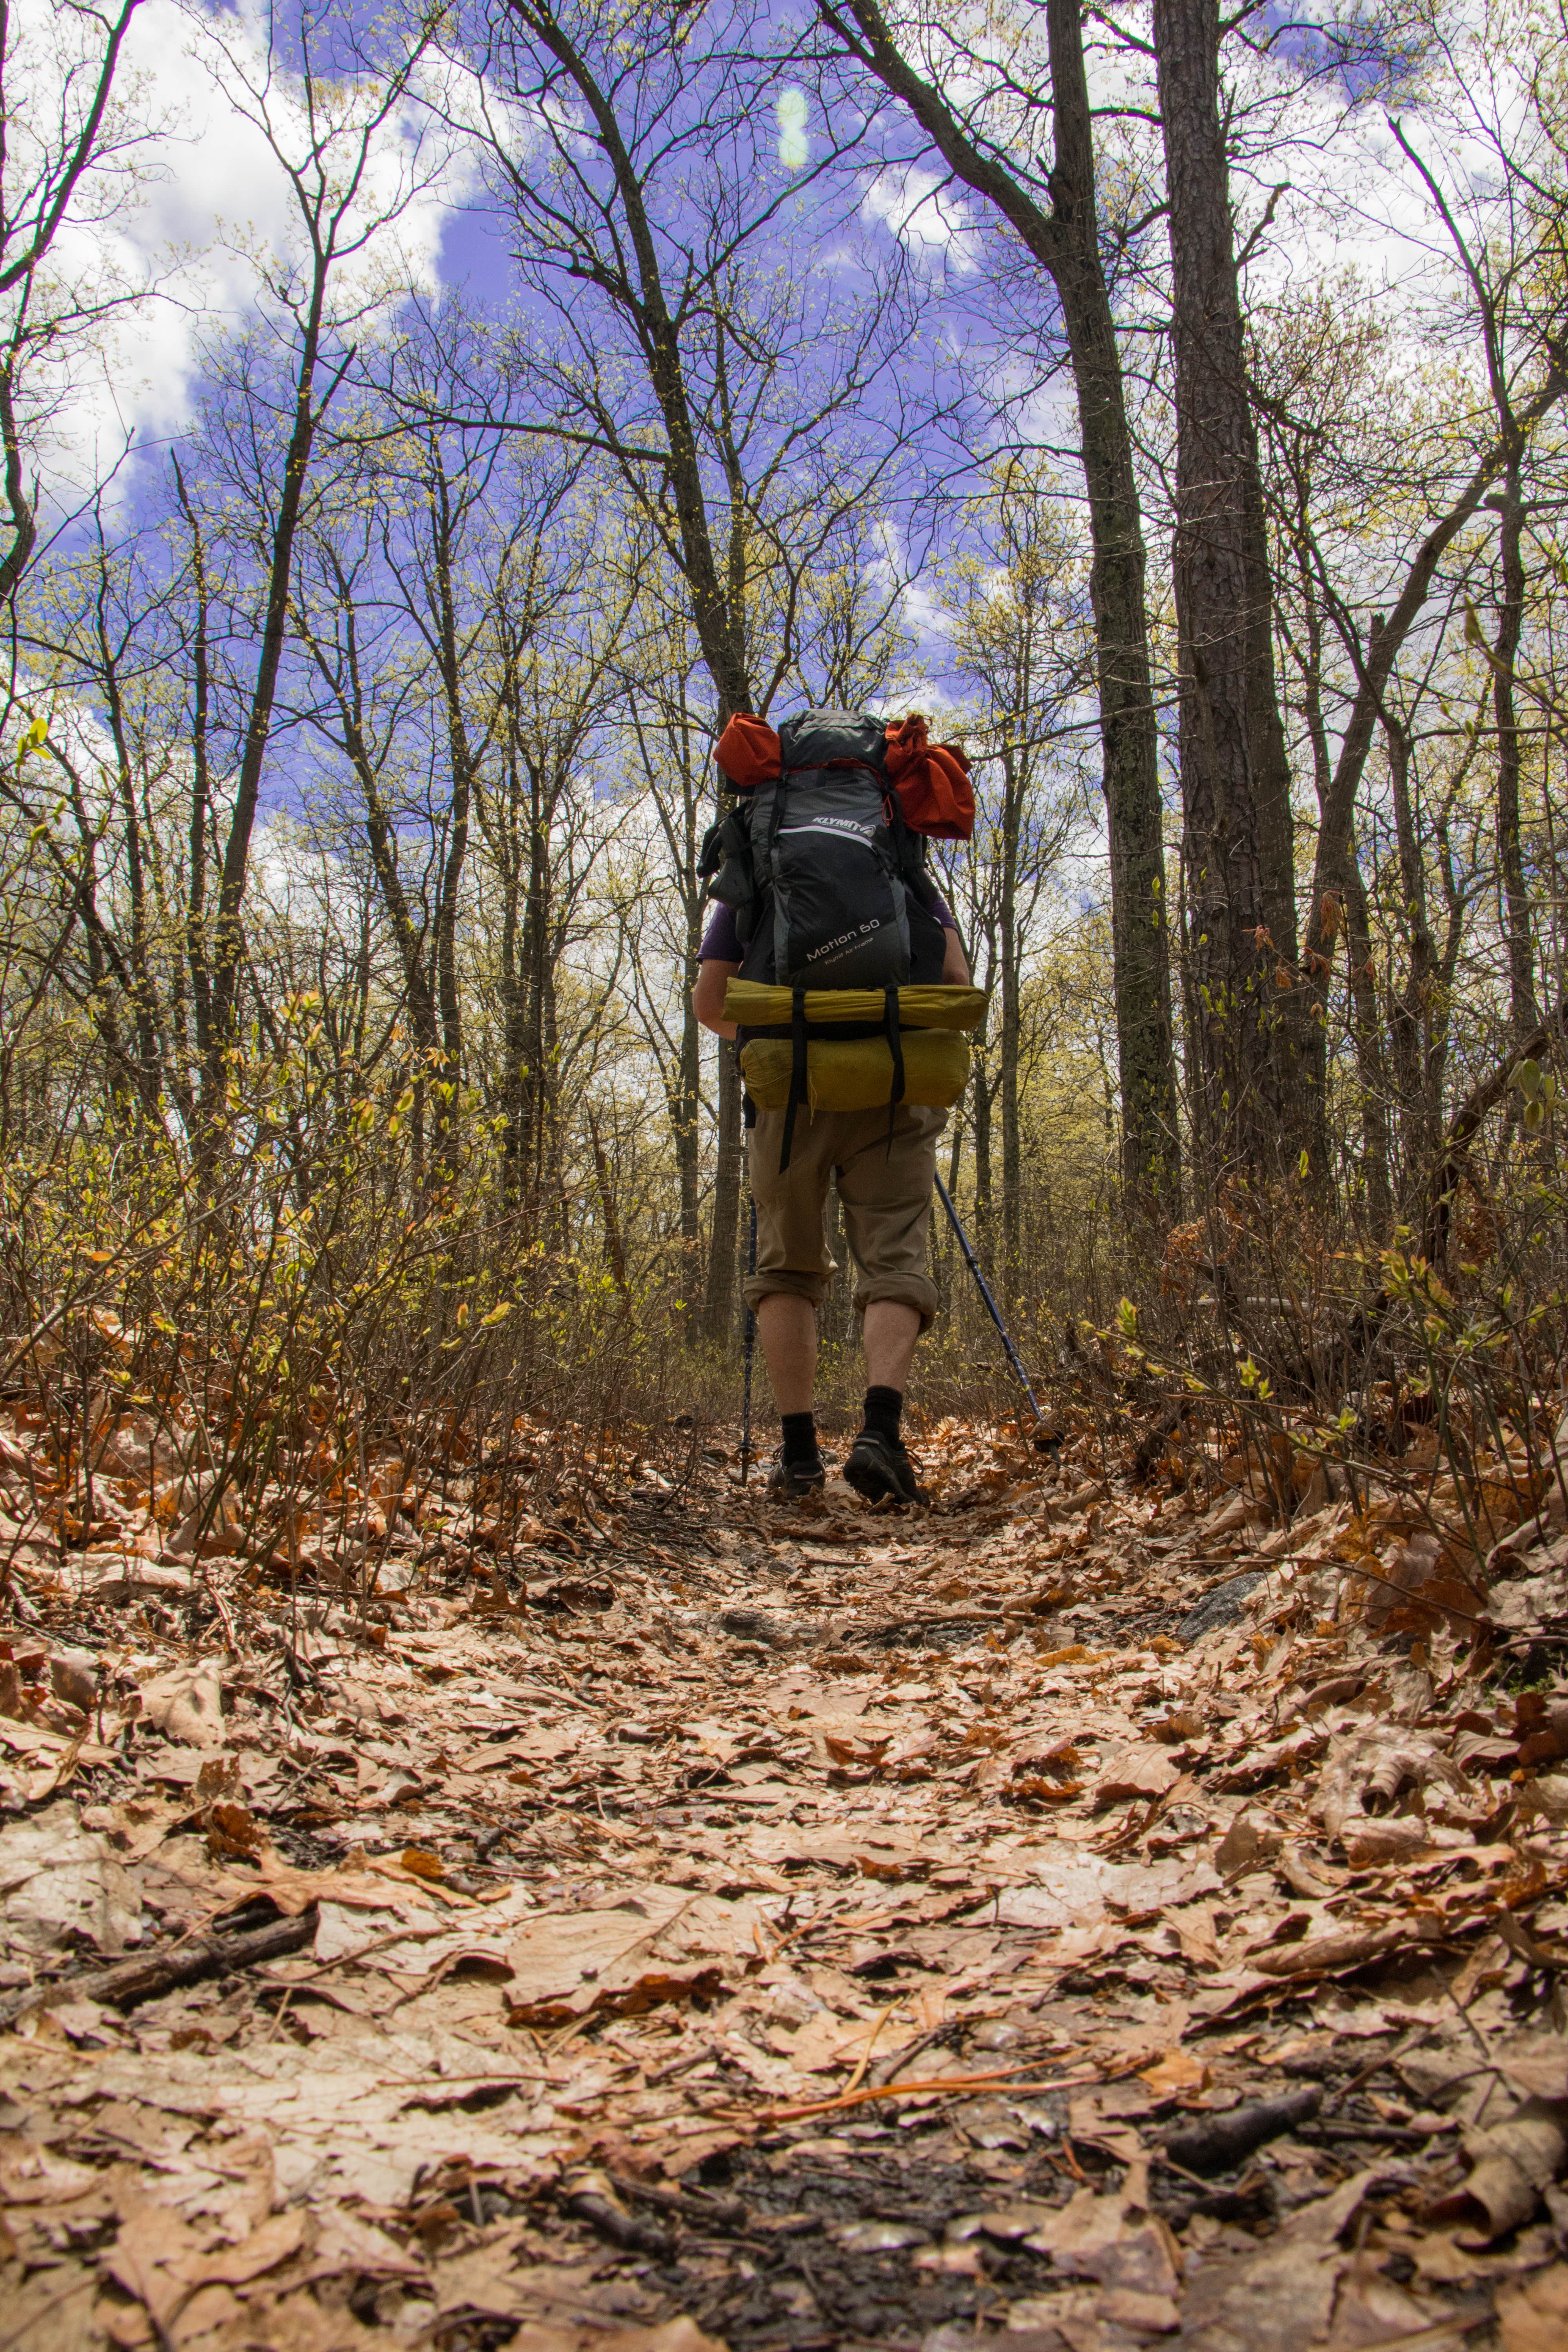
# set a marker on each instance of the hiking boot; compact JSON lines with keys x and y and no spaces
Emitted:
{"x":790,"y":1480}
{"x":879,"y":1465}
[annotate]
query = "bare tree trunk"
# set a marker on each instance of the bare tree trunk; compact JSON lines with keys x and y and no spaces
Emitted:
{"x":981,"y":1121}
{"x":24,"y":521}
{"x":1065,"y":242}
{"x":1374,"y":662}
{"x":614,"y":1248}
{"x":1010,"y":948}
{"x":718,"y":1305}
{"x":1250,"y":1086}
{"x":196,"y":945}
{"x":1523,"y":1004}
{"x":227,"y":938}
{"x":1411,"y":1035}
{"x":724,"y":1236}
{"x":460,"y":759}
{"x":688,"y":1159}
{"x":1345,"y":907}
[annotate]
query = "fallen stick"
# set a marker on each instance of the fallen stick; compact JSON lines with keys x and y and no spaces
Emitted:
{"x":152,"y":1973}
{"x":1218,"y":2143}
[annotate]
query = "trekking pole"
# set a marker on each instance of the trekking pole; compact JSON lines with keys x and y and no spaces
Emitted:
{"x":974,"y":1264}
{"x":751,"y":1348}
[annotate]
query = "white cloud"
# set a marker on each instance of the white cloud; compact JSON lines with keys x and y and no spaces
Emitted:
{"x":216,"y":214}
{"x":921,"y":211}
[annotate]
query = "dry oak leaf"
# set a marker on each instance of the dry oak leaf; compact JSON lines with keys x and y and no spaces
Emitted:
{"x":1283,"y":2297}
{"x":158,"y":2259}
{"x":659,"y":1943}
{"x":1323,"y":1955}
{"x":1539,"y":2068}
{"x":1370,"y":1770}
{"x":186,"y":1705}
{"x":1532,"y":2314}
{"x":1245,"y":1846}
{"x":59,"y":1880}
{"x":1132,"y":2253}
{"x":1369,"y":1845}
{"x":1173,"y":2071}
{"x":1142,"y":1770}
{"x":51,"y":2311}
{"x":1510,"y":2164}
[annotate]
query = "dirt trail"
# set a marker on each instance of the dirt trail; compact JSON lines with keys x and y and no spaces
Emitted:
{"x":1065,"y":1913}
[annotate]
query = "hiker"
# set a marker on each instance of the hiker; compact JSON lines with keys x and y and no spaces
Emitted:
{"x":823,"y":881}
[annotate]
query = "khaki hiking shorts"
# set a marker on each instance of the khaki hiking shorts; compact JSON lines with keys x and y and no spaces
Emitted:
{"x":885,"y":1197}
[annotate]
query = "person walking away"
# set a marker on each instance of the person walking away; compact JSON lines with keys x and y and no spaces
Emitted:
{"x":883,"y":1157}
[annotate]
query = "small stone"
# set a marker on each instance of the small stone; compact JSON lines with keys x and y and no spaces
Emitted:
{"x":1222,"y":1606}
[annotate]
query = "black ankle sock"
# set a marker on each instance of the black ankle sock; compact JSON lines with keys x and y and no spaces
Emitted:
{"x":883,"y":1407}
{"x":799,"y":1436}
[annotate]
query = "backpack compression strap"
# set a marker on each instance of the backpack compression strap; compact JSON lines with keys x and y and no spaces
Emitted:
{"x":896,"y":1045}
{"x":797,"y":1072}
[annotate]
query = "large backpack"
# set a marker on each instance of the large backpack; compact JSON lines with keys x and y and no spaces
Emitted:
{"x":828,"y":884}
{"x":829,"y":890}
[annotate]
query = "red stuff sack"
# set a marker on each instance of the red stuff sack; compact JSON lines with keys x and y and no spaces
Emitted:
{"x":749,"y":752}
{"x":931,"y":781}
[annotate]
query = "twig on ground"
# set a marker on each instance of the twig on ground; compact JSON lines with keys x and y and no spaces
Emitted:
{"x":152,"y":1973}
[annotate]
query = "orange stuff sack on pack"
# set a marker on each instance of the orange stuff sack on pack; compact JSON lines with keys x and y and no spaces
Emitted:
{"x":931,"y":781}
{"x":749,"y":752}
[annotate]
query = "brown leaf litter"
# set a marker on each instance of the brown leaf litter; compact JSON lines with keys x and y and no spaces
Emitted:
{"x":1082,"y":1916}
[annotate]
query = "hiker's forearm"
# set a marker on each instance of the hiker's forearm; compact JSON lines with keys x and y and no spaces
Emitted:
{"x":707,"y":997}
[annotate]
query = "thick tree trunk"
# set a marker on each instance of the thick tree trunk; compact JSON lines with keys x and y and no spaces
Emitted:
{"x":1250,"y":1086}
{"x":1065,"y":242}
{"x":1140,"y":960}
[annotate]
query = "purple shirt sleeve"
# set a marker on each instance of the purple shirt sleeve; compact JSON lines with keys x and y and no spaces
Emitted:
{"x":721,"y":941}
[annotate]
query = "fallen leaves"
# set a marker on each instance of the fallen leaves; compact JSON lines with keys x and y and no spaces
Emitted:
{"x":655,"y":1946}
{"x":186,"y":1704}
{"x":58,"y":1882}
{"x":994,"y":1954}
{"x":1511,"y":2162}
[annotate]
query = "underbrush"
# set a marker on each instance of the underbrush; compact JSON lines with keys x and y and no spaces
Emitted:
{"x":252,"y":1344}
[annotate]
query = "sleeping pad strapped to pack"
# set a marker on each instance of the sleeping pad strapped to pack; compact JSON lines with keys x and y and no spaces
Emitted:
{"x":829,"y":890}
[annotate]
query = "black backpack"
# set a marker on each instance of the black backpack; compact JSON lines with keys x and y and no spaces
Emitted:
{"x":828,"y":884}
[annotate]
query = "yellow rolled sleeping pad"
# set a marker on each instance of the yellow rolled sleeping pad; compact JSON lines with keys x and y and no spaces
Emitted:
{"x":856,"y":1073}
{"x":757,"y":1006}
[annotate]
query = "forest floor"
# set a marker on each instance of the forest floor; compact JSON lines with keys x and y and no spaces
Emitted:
{"x":1064,"y":1918}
